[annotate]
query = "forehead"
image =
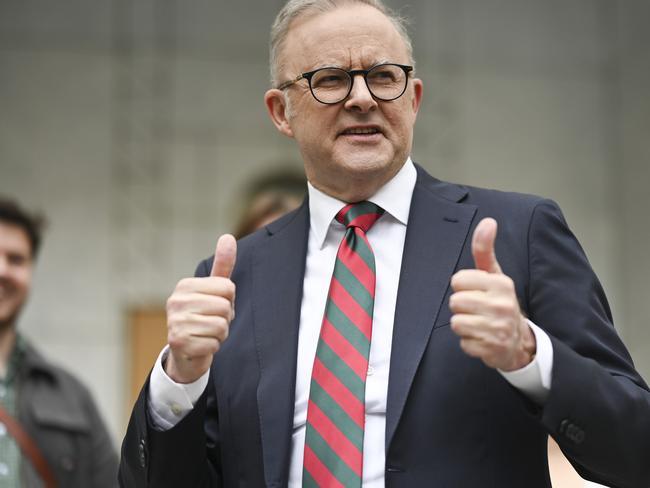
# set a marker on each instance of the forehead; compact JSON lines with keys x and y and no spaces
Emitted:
{"x":351,"y":36}
{"x":13,"y":238}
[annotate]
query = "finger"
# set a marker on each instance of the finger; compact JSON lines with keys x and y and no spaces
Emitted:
{"x":197,"y":325}
{"x":209,"y":327}
{"x":472,"y":279}
{"x":202,"y":304}
{"x":211,"y":285}
{"x":473,"y":302}
{"x":475,"y":279}
{"x":199,"y":348}
{"x":483,"y":246}
{"x":225,"y":256}
{"x":468,"y":326}
{"x":474,"y":347}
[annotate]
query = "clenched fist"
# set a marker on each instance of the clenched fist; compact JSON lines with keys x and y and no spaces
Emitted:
{"x":486,"y":313}
{"x":199,"y":312}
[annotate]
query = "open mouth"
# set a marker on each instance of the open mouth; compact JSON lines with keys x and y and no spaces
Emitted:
{"x":361,"y":131}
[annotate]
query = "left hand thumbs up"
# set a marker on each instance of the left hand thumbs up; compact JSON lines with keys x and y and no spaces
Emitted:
{"x":486,"y":314}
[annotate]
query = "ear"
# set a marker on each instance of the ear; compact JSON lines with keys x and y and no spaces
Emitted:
{"x":418,"y":88}
{"x":277,"y":109}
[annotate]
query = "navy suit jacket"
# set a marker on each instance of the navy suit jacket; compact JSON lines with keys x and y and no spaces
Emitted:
{"x":450,"y":420}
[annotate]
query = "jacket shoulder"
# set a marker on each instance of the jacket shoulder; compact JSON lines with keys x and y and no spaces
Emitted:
{"x":247,"y":244}
{"x":53,"y":395}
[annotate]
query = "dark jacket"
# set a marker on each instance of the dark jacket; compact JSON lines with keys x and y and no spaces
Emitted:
{"x":59,"y":414}
{"x":450,"y":420}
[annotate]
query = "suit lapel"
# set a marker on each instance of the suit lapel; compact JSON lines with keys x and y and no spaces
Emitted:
{"x":437,"y":229}
{"x":278,"y":269}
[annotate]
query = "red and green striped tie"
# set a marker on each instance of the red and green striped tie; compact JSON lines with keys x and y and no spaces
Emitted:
{"x":336,"y":411}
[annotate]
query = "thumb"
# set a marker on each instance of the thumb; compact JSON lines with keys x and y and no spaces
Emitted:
{"x":483,"y":246}
{"x":224,"y":256}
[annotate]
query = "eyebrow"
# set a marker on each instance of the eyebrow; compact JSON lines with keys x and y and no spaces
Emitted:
{"x":346,"y":68}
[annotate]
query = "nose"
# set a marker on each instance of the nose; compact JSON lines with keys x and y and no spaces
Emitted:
{"x":360,"y":98}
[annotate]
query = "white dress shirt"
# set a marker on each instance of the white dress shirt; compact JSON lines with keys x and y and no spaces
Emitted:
{"x":170,"y":402}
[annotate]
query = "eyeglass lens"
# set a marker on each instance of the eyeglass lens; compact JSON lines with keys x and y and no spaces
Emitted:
{"x":331,"y":85}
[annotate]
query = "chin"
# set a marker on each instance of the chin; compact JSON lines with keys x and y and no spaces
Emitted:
{"x":363,"y":161}
{"x":6,"y":322}
{"x":367,"y":166}
{"x":8,"y":314}
{"x":359,"y":179}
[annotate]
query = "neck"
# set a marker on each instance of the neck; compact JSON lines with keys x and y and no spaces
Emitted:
{"x":7,"y":342}
{"x":353,"y":189}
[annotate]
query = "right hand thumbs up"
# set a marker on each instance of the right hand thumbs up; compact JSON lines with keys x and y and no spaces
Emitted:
{"x":199,"y":312}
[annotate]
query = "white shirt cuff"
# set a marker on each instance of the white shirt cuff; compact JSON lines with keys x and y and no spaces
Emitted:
{"x":534,"y":379}
{"x":169,"y":402}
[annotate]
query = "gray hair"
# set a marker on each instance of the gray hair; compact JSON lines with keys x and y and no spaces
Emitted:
{"x":296,"y":8}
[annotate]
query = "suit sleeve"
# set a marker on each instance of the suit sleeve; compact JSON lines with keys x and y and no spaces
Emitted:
{"x":186,"y":455}
{"x":598,"y":408}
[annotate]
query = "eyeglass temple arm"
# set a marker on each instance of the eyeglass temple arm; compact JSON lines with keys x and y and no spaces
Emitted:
{"x":288,"y":83}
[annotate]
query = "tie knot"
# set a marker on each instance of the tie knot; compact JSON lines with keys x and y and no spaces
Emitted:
{"x":361,"y":214}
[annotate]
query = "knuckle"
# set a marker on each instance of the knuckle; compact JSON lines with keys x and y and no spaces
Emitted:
{"x":501,"y":329}
{"x":506,"y":282}
{"x":504,"y":307}
{"x":177,"y":317}
{"x":468,"y":347}
{"x":221,"y":323}
{"x":460,"y":276}
{"x":223,"y":287}
{"x":171,"y":303}
{"x":172,"y":323}
{"x":455,"y":324}
{"x":184,"y":284}
{"x":230,"y":289}
{"x":502,"y":341}
{"x":225,"y":332}
{"x":222,"y":307}
{"x":175,"y":340}
{"x":177,"y":302}
{"x":454,"y":282}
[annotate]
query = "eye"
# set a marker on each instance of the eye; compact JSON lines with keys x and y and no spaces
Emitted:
{"x":329,"y":78}
{"x":383,"y":75}
{"x":17,"y":259}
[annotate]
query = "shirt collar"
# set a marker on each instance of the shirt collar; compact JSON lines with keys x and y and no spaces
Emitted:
{"x":394,"y":197}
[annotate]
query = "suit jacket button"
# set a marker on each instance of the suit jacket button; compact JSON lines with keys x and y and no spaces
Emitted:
{"x":577,"y":435}
{"x":574,"y":433}
{"x":563,"y":426}
{"x":580,"y":437}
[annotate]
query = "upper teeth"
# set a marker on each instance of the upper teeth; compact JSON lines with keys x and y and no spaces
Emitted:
{"x":361,"y":131}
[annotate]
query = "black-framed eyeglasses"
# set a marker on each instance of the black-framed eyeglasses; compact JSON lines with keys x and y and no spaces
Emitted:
{"x":385,"y":82}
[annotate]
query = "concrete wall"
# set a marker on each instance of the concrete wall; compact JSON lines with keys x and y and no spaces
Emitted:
{"x":135,"y":124}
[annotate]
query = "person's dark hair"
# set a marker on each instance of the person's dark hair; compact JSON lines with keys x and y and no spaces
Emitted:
{"x":32,"y":223}
{"x":268,"y":196}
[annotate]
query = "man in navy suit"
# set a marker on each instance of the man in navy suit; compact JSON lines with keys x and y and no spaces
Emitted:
{"x":484,"y":341}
